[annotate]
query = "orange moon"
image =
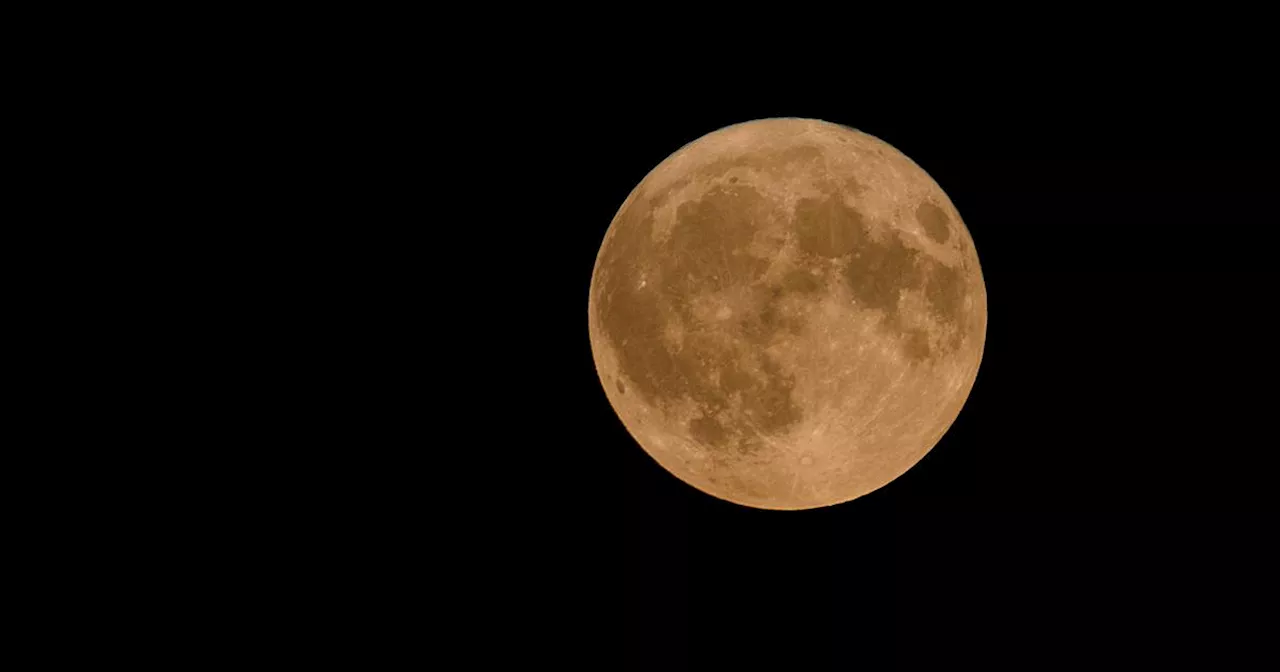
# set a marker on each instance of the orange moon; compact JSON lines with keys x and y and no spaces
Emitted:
{"x":787,"y":313}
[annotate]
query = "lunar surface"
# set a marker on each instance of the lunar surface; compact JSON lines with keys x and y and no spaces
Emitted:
{"x":787,"y":313}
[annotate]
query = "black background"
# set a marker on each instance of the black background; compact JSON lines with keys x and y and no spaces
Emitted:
{"x":1106,"y":496}
{"x":1106,"y":493}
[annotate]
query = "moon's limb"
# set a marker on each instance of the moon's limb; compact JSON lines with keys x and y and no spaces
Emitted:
{"x":787,"y":313}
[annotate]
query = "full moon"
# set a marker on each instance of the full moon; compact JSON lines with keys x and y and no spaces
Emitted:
{"x":787,"y":313}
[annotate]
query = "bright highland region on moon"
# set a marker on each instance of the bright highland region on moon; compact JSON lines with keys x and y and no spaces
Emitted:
{"x":787,"y":313}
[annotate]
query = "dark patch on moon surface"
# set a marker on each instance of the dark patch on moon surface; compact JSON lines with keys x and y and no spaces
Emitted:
{"x":935,"y":222}
{"x":915,"y":344}
{"x":945,"y":293}
{"x":706,"y":249}
{"x":707,"y":430}
{"x":878,"y":271}
{"x":827,"y":227}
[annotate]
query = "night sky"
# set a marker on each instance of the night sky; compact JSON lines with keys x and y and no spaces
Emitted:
{"x":355,"y":279}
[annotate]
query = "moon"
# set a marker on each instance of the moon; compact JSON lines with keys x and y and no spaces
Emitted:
{"x":787,"y":313}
